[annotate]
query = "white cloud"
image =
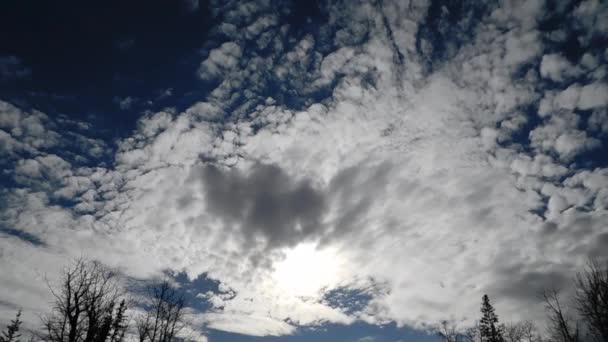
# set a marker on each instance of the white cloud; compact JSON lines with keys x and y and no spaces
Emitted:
{"x":24,"y":131}
{"x":598,"y":121}
{"x":561,"y":135}
{"x":366,"y":339}
{"x":591,"y":20}
{"x":220,"y":60}
{"x":126,"y":102}
{"x":593,"y":95}
{"x":249,"y":324}
{"x":520,"y":48}
{"x":557,"y":68}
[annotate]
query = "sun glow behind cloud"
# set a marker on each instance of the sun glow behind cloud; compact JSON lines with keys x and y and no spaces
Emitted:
{"x":306,"y":270}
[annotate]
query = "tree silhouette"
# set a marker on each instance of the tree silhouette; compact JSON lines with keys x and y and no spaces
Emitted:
{"x":592,"y":300}
{"x":525,"y":331}
{"x":561,"y":328}
{"x":448,"y":332}
{"x":89,"y":306}
{"x":11,"y":334}
{"x":489,"y":328}
{"x":163,"y":321}
{"x":85,"y":306}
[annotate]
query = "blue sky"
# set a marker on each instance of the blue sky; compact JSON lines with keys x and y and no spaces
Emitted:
{"x":306,"y":170}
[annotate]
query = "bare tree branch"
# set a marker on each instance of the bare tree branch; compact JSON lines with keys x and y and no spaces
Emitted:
{"x":85,"y":307}
{"x":164,"y":320}
{"x":592,"y":299}
{"x":562,"y":328}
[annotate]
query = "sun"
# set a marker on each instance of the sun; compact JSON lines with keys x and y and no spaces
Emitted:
{"x":307,"y":270}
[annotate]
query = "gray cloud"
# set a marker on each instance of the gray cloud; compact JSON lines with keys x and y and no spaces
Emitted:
{"x":353,"y":192}
{"x":524,"y":285}
{"x":265,"y":202}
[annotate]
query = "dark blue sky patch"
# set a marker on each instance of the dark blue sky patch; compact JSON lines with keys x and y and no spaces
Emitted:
{"x":305,"y":16}
{"x":595,"y":157}
{"x":348,"y":300}
{"x":22,"y":235}
{"x":190,"y":289}
{"x":82,"y":55}
{"x":448,"y":26}
{"x":107,"y":63}
{"x":193,"y":289}
{"x":559,"y":20}
{"x":80,"y":48}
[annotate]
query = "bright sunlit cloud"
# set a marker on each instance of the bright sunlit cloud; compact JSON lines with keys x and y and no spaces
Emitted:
{"x":306,"y":270}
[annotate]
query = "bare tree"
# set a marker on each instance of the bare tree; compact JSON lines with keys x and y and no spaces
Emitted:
{"x":163,"y":320}
{"x":513,"y":332}
{"x":530,"y":332}
{"x":448,"y":332}
{"x":473,"y":334}
{"x":592,"y":300}
{"x":11,"y":334}
{"x":562,"y":327}
{"x":89,"y":306}
{"x":521,"y":332}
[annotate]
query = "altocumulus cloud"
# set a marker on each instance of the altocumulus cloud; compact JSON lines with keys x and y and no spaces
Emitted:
{"x":434,"y":152}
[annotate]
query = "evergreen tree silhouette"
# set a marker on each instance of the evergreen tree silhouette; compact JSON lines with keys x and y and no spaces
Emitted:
{"x":11,"y":334}
{"x":489,"y":328}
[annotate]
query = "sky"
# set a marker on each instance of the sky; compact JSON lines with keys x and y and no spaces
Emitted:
{"x":349,"y":171}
